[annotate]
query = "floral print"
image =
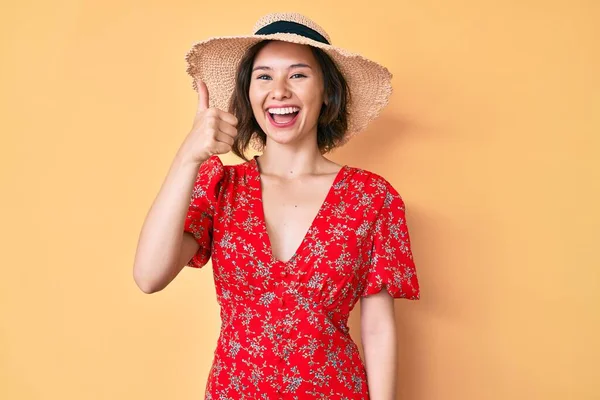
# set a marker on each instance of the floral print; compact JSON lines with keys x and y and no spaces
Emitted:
{"x":284,"y":332}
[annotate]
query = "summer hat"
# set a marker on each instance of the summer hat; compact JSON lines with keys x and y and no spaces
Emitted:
{"x":215,"y":61}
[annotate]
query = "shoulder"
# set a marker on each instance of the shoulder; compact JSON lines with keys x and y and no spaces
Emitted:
{"x":211,"y":168}
{"x":225,"y":176}
{"x":215,"y":170}
{"x":209,"y":178}
{"x":381,"y":190}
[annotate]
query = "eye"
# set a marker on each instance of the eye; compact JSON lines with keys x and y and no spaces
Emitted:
{"x":260,"y":77}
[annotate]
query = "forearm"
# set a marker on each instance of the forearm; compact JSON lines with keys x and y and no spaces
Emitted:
{"x":159,"y":245}
{"x":380,"y":349}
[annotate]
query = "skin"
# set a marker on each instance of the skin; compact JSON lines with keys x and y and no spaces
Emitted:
{"x":296,"y":178}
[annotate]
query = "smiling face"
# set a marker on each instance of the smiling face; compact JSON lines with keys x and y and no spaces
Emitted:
{"x":286,"y":91}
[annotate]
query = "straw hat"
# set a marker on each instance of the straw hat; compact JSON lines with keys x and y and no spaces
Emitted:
{"x":215,"y":61}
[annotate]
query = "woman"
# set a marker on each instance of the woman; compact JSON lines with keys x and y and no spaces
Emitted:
{"x":296,"y":240}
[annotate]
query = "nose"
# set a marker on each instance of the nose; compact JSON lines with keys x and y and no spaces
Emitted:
{"x":280,"y":89}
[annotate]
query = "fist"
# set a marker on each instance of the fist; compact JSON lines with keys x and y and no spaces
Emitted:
{"x":213,"y":130}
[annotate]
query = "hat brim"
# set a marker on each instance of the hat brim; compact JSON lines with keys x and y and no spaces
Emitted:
{"x":215,"y":61}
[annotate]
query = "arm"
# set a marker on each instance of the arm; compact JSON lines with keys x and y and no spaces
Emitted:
{"x":163,"y":246}
{"x":378,"y":333}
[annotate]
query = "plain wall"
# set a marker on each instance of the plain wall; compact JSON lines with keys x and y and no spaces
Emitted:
{"x":491,"y":137}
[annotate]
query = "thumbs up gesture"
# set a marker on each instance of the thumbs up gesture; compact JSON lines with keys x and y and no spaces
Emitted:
{"x":213,"y":130}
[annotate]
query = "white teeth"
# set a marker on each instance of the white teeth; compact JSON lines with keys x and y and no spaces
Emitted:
{"x":286,"y":110}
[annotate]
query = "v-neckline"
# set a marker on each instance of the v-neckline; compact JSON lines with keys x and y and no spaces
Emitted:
{"x":263,"y":220}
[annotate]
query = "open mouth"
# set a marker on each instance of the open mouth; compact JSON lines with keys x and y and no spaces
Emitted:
{"x":283,"y":120}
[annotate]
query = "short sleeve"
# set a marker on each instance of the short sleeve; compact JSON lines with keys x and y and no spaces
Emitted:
{"x":203,"y":203}
{"x":390,"y":261}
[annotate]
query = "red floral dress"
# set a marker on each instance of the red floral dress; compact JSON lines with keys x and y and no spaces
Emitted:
{"x":284,"y":332}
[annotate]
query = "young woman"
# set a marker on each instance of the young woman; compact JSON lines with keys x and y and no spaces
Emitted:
{"x":295,"y":239}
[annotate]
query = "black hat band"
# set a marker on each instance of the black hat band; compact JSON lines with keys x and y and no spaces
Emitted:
{"x":291,"y":27}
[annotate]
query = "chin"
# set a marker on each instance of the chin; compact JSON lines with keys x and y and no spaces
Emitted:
{"x":282,"y":137}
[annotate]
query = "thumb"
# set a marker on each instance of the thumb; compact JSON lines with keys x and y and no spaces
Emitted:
{"x":202,"y":95}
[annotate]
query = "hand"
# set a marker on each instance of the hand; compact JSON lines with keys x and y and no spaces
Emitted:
{"x":213,"y":130}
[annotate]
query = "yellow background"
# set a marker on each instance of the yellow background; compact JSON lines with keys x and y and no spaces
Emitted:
{"x":491,"y":137}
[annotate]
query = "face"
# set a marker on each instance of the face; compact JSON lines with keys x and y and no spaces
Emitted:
{"x":286,"y":81}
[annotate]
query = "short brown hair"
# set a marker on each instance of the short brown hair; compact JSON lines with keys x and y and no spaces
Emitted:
{"x":333,"y":118}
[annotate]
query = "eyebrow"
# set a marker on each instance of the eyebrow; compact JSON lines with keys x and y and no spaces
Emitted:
{"x":299,"y":65}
